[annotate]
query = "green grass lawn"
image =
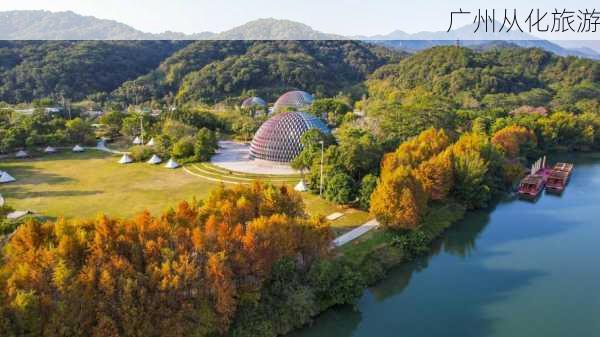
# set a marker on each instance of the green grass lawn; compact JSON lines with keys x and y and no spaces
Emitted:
{"x":87,"y":184}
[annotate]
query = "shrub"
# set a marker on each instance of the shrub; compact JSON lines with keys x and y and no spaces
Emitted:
{"x":184,"y":148}
{"x":340,"y":188}
{"x":367,"y":186}
{"x":141,"y":153}
{"x":413,"y":244}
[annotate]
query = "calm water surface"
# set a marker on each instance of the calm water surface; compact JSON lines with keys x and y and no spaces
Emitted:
{"x":521,"y":269}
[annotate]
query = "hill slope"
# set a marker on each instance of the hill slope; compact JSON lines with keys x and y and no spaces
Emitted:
{"x":214,"y":70}
{"x":273,"y":29}
{"x":75,"y":69}
{"x":501,"y":77}
{"x":46,"y":25}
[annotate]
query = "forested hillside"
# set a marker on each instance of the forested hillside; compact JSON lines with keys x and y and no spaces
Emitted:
{"x":214,"y":70}
{"x":534,"y":76}
{"x":200,"y":71}
{"x":441,"y":85}
{"x":76,"y":69}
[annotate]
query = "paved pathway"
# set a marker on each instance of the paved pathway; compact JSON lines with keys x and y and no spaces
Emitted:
{"x":235,"y":156}
{"x":102,"y":147}
{"x":355,"y":233}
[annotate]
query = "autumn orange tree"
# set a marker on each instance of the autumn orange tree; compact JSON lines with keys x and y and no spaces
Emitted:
{"x":399,"y":201}
{"x":407,"y":181}
{"x":515,"y":143}
{"x":436,"y":175}
{"x":430,"y":167}
{"x":512,"y":139}
{"x":418,"y":149}
{"x":183,"y":273}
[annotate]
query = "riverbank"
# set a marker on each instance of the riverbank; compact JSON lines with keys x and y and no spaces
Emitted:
{"x":518,"y":268}
{"x":357,"y":266}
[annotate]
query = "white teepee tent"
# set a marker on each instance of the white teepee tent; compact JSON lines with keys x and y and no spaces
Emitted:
{"x":137,"y":141}
{"x":22,"y":154}
{"x":172,"y":164}
{"x":154,"y":160}
{"x":151,"y":142}
{"x":126,"y":159}
{"x":78,"y":148}
{"x":6,"y":178}
{"x":49,"y":149}
{"x":301,"y":187}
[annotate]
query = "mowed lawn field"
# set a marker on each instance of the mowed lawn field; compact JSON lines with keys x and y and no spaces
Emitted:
{"x":84,"y":185}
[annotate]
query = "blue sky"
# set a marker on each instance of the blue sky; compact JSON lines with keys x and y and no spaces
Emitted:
{"x":347,"y":17}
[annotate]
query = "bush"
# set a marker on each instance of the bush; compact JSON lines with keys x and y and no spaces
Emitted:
{"x":6,"y":226}
{"x":141,"y":153}
{"x":340,"y":188}
{"x":184,"y":148}
{"x":413,"y":244}
{"x":367,"y":186}
{"x":206,"y":144}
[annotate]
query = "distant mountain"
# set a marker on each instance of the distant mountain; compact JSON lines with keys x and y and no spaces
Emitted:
{"x":273,"y":29}
{"x":45,"y":25}
{"x":465,"y":36}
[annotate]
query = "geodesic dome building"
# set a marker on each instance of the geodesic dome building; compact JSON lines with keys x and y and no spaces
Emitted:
{"x":278,"y":139}
{"x":295,"y":100}
{"x":253,"y":102}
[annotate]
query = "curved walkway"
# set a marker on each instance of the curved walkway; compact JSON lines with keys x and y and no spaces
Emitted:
{"x":231,"y":177}
{"x":188,"y":171}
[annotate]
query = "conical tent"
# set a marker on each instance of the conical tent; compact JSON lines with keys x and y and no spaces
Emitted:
{"x":151,"y":142}
{"x":137,"y":141}
{"x":301,"y":187}
{"x":154,"y":160}
{"x":78,"y":148}
{"x":6,"y":178}
{"x":49,"y":149}
{"x":172,"y":164}
{"x":21,"y":154}
{"x":126,"y":159}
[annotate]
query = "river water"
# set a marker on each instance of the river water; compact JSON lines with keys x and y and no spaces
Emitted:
{"x":520,"y":269}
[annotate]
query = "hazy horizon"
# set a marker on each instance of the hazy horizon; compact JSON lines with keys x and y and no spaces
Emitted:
{"x":350,"y":18}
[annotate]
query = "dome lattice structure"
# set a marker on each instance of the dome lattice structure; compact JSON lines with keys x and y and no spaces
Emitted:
{"x":294,"y":100}
{"x":278,"y":139}
{"x":254,"y":102}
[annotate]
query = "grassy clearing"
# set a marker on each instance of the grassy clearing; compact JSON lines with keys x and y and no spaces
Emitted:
{"x":86,"y":184}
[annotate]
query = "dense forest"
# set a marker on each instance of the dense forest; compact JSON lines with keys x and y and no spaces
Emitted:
{"x":213,"y":71}
{"x":444,"y":86}
{"x":132,"y":71}
{"x":497,"y":78}
{"x":74,"y":69}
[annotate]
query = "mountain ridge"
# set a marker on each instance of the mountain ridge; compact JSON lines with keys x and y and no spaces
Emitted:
{"x":46,"y":25}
